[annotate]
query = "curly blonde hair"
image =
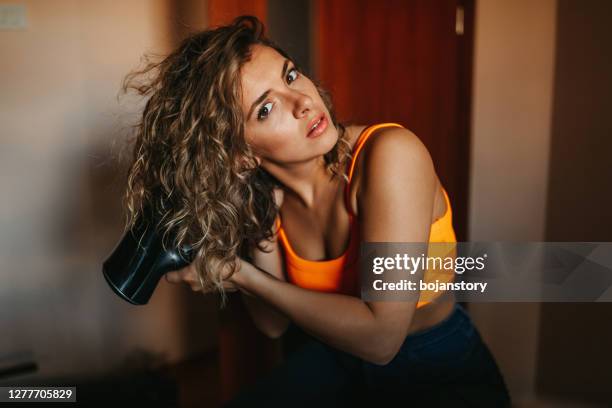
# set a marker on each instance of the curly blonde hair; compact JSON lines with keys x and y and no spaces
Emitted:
{"x":191,"y":164}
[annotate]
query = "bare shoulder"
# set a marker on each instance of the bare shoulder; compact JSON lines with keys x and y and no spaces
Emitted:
{"x":354,"y":131}
{"x":396,"y":154}
{"x":397,"y":189}
{"x":389,"y":152}
{"x":395,"y":142}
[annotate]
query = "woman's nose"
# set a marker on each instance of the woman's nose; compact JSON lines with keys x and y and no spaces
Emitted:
{"x":302,"y":105}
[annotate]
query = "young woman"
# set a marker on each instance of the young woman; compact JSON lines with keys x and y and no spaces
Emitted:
{"x":243,"y":158}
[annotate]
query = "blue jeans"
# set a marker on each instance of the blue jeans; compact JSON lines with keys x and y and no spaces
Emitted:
{"x":447,"y":365}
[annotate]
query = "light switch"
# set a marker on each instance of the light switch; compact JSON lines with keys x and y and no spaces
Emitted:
{"x":13,"y":17}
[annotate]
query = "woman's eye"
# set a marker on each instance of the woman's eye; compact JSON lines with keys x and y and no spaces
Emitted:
{"x":292,"y":75}
{"x":264,"y":111}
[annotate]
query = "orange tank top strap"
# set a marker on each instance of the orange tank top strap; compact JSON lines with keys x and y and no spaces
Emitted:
{"x":363,"y":137}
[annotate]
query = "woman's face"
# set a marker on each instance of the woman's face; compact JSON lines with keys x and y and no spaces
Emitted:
{"x":280,"y":107}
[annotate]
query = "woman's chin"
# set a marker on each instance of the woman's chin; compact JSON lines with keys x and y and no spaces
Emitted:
{"x":328,"y":141}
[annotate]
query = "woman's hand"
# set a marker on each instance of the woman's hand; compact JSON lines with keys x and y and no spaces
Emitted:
{"x":189,"y":275}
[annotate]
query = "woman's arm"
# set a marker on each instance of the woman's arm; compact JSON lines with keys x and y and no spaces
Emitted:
{"x":268,"y":320}
{"x":395,"y":205}
{"x":344,"y":322}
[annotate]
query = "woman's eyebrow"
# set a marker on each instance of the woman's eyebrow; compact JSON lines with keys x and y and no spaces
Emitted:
{"x":265,"y":94}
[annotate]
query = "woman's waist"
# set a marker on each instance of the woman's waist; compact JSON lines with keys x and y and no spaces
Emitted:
{"x":432,"y":313}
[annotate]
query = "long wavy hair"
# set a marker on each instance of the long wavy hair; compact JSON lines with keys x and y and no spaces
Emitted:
{"x":191,"y":165}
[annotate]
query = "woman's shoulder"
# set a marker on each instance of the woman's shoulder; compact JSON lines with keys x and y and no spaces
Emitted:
{"x":393,"y":140}
{"x":390,"y":130}
{"x":387,"y":152}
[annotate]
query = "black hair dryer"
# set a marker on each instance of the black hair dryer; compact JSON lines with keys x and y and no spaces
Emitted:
{"x":138,"y":262}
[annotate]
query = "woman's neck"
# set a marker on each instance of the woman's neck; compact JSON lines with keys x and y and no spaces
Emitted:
{"x":308,"y":182}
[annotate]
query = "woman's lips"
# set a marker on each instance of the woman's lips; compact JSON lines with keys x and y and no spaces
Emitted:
{"x":320,"y":128}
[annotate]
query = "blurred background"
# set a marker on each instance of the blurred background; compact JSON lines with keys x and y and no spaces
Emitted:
{"x":510,"y":97}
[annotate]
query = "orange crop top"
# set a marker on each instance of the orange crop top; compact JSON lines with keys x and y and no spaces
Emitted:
{"x":341,"y":275}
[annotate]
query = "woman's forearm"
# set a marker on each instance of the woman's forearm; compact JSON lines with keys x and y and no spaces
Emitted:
{"x":344,"y":322}
{"x":268,"y":320}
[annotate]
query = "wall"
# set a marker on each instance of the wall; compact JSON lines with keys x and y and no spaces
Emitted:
{"x":62,"y":128}
{"x":511,"y":128}
{"x":579,"y":199}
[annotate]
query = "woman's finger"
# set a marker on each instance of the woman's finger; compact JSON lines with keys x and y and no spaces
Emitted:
{"x":197,"y":288}
{"x":229,"y":286}
{"x":174,"y":277}
{"x":188,"y":273}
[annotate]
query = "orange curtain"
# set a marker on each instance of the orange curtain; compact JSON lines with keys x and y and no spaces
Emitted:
{"x":224,"y":11}
{"x":402,"y":61}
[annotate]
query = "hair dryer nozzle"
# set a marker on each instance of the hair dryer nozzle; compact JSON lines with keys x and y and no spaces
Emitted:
{"x":138,"y":262}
